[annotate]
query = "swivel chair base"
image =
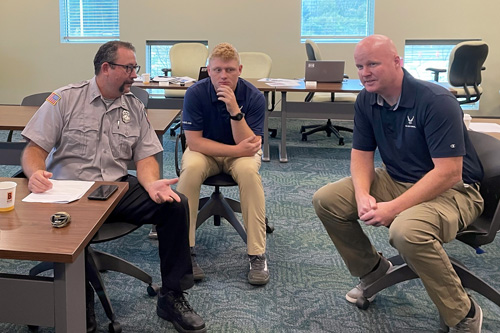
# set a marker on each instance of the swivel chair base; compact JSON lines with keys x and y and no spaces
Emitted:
{"x":329,"y":128}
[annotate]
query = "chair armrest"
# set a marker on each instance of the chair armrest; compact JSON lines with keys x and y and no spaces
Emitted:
{"x":436,"y":72}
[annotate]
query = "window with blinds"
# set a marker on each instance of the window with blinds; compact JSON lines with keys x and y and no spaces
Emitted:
{"x":89,"y":21}
{"x":337,"y":21}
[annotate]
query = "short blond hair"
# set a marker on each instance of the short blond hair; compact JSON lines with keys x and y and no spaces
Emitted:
{"x":224,"y":51}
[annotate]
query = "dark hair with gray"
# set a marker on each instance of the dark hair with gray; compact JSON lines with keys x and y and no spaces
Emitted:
{"x":107,"y":53}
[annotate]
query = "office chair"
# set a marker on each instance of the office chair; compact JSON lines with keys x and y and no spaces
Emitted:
{"x":481,"y":232}
{"x":185,"y":60}
{"x":30,"y":100}
{"x":217,"y":205}
{"x":258,"y":65}
{"x":464,"y":70}
{"x":97,"y":261}
{"x":313,"y":53}
{"x":141,"y":94}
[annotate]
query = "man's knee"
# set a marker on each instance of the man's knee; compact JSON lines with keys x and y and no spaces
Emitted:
{"x":408,"y":235}
{"x":172,"y":212}
{"x":335,"y":198}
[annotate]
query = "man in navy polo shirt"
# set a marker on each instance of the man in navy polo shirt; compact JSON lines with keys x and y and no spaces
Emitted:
{"x":427,"y":190}
{"x":223,"y":119}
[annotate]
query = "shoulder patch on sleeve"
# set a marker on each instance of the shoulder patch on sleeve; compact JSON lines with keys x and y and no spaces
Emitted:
{"x":53,"y":98}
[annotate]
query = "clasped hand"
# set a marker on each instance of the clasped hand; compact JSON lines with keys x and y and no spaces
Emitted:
{"x":375,"y":213}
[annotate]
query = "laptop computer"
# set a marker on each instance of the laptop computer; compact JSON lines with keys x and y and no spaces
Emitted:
{"x":203,"y":73}
{"x":324,"y":71}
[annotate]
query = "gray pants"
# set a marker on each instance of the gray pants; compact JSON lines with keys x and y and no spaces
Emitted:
{"x":417,"y":233}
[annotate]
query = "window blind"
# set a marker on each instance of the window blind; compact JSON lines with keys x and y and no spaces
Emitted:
{"x":337,"y":20}
{"x":89,"y":21}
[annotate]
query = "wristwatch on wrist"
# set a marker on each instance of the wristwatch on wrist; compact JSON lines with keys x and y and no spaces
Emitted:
{"x":237,"y":117}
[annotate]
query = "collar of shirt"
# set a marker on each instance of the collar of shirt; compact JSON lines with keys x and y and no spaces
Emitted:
{"x":96,"y":93}
{"x":408,"y":95}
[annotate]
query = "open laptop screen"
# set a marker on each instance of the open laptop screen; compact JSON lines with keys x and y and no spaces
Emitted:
{"x":324,"y":70}
{"x":203,"y":73}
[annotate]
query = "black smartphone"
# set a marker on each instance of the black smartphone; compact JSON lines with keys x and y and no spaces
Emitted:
{"x":103,"y":192}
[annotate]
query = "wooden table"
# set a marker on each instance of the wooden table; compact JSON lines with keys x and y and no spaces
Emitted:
{"x":15,"y":117}
{"x":27,"y":234}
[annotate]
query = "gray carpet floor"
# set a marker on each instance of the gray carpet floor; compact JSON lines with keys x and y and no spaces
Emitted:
{"x":308,"y":278}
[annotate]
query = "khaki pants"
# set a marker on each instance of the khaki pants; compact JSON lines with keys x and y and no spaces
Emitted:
{"x":197,"y":167}
{"x":417,"y":233}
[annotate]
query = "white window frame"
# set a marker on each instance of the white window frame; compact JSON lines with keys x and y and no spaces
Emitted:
{"x":333,"y":36}
{"x":166,"y":58}
{"x":103,"y":8}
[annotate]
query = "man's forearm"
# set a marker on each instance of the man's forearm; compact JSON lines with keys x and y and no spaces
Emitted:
{"x":33,"y":159}
{"x":147,"y":171}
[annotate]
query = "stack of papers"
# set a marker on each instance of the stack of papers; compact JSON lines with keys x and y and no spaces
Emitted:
{"x":62,"y":191}
{"x":174,"y":79}
{"x":281,"y":82}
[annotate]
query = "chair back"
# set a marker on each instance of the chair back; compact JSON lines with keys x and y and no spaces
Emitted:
{"x":35,"y":99}
{"x":141,"y":94}
{"x":256,"y":65}
{"x":465,"y":64}
{"x":483,"y":230}
{"x":312,"y":50}
{"x":187,"y":58}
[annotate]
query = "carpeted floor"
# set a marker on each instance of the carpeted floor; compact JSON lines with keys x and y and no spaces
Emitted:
{"x":308,"y":277}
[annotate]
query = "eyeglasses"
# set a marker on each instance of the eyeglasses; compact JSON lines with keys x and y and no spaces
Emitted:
{"x":128,"y":68}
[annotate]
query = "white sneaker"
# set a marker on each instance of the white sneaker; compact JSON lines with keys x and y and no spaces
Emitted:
{"x":471,"y":325}
{"x":365,"y":281}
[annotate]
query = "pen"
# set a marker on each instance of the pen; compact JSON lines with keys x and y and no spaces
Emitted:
{"x":118,"y":124}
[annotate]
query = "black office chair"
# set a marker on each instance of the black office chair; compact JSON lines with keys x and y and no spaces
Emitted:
{"x":313,"y":53}
{"x":30,"y":100}
{"x":217,"y":205}
{"x":481,"y":232}
{"x":464,"y":70}
{"x":141,"y":94}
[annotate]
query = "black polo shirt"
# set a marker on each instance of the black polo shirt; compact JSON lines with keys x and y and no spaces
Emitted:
{"x":426,"y":123}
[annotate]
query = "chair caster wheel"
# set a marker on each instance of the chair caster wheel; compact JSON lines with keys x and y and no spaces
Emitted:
{"x":362,"y":303}
{"x":153,"y":289}
{"x":172,"y":132}
{"x":341,"y":141}
{"x":274,"y":132}
{"x":302,"y":129}
{"x":115,"y":327}
{"x":304,"y":137}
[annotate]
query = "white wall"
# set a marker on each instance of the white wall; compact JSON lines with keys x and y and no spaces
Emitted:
{"x":33,"y":60}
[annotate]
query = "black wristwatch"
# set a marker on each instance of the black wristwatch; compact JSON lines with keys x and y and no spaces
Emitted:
{"x":238,"y":117}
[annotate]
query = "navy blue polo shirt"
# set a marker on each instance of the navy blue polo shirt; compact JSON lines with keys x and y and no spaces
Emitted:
{"x":202,"y":111}
{"x":427,"y":123}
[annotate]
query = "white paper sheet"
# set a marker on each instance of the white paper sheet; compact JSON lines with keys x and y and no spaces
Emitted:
{"x":281,"y":82}
{"x":63,"y":191}
{"x":485,"y":127}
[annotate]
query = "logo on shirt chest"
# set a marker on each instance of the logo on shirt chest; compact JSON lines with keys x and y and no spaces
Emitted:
{"x":125,"y":116}
{"x":410,"y":122}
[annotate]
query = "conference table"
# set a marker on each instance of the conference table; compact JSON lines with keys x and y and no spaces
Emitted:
{"x":295,"y":109}
{"x":26,"y":233}
{"x":290,"y":109}
{"x":15,"y":117}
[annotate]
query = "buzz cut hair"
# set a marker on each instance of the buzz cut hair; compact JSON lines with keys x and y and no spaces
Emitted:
{"x":225,"y":52}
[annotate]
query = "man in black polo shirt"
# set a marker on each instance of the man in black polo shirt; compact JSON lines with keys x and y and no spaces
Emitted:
{"x":427,"y":190}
